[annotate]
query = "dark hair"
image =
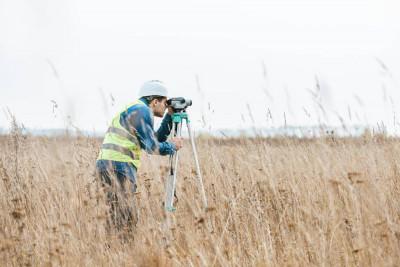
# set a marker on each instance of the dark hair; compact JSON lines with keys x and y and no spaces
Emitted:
{"x":152,"y":97}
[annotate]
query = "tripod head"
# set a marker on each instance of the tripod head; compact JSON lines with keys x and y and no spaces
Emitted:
{"x":179,"y":104}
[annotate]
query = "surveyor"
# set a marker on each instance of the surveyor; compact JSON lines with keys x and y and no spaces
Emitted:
{"x":131,"y":131}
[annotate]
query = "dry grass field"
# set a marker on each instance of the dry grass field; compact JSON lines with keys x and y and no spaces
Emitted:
{"x":274,"y":202}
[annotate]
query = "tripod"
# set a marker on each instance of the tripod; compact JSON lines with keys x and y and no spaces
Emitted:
{"x":177,"y":119}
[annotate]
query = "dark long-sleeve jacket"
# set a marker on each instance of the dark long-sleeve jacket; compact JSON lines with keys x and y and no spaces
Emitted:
{"x":139,"y":121}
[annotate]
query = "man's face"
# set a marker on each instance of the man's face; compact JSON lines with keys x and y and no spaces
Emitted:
{"x":159,"y":107}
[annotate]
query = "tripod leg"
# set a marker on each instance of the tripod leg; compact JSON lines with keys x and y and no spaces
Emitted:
{"x":202,"y":191}
{"x":171,"y":181}
{"x":179,"y":134}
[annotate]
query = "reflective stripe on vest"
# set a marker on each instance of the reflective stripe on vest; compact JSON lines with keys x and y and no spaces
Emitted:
{"x":119,"y":144}
{"x":118,"y":148}
{"x":123,"y":133}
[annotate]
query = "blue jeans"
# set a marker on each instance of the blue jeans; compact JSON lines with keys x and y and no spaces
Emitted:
{"x":119,"y":181}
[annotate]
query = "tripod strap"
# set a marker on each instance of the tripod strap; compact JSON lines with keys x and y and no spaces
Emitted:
{"x":176,"y":197}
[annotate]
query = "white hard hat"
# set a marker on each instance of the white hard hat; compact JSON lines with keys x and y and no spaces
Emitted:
{"x":153,"y":87}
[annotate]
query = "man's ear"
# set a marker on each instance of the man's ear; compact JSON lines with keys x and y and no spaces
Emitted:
{"x":153,"y":102}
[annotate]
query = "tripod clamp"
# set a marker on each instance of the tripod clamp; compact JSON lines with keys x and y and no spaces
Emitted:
{"x":178,"y":117}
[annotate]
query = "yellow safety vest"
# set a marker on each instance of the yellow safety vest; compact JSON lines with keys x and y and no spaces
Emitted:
{"x":119,"y":144}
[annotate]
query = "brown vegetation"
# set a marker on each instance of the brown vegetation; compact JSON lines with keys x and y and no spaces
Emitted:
{"x":275,"y":202}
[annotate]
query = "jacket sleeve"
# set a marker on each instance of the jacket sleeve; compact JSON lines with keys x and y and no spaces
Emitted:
{"x":142,"y":121}
{"x":165,"y":128}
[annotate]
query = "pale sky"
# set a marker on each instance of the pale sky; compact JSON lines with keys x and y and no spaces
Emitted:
{"x":91,"y":57}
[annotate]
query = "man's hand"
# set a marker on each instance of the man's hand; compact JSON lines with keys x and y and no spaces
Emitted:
{"x":178,"y":142}
{"x":170,"y":110}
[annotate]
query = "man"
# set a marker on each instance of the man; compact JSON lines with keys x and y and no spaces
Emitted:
{"x":130,"y":131}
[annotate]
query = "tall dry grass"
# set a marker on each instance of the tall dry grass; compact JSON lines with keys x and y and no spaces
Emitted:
{"x":276,"y":202}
